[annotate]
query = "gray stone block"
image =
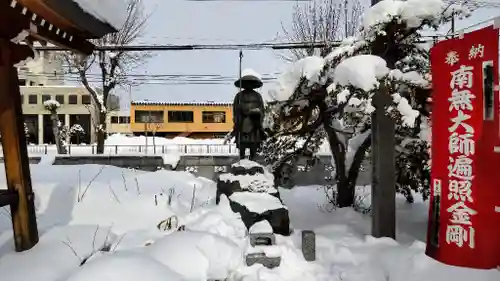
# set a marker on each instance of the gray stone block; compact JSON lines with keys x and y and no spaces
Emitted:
{"x":262,"y":239}
{"x":260,"y":258}
{"x":309,"y":245}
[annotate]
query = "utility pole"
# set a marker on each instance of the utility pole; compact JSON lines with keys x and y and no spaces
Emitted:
{"x":383,"y":163}
{"x":345,"y":19}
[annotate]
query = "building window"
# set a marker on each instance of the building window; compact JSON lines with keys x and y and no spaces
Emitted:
{"x":114,"y":119}
{"x":86,"y":99}
{"x":33,"y":99}
{"x":60,"y":99}
{"x":45,"y":98}
{"x":178,"y":116}
{"x":72,"y":99}
{"x":22,"y":82}
{"x":32,"y":83}
{"x":124,"y":120}
{"x":213,"y":117}
{"x":22,"y":99}
{"x":149,"y":116}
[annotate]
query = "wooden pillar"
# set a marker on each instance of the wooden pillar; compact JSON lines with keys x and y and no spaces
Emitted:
{"x":17,"y":169}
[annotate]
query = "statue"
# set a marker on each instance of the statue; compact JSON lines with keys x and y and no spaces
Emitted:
{"x":248,"y":115}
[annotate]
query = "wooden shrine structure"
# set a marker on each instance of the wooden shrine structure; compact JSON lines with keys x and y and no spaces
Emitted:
{"x":62,"y":23}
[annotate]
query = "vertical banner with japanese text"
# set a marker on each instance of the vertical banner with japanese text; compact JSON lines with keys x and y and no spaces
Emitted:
{"x":461,"y":211}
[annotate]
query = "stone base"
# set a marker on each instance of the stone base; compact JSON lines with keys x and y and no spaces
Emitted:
{"x":248,"y":176}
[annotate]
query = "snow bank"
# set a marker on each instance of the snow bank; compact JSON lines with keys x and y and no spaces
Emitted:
{"x":219,"y":220}
{"x":123,"y":266}
{"x":59,"y":252}
{"x":111,"y":196}
{"x":361,"y":71}
{"x":197,"y":255}
{"x":213,"y":245}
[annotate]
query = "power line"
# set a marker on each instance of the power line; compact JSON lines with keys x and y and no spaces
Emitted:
{"x":192,"y":47}
{"x":475,"y":4}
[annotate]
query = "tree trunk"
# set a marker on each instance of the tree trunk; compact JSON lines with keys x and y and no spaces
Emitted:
{"x":101,"y":133}
{"x":61,"y":149}
{"x":345,"y":190}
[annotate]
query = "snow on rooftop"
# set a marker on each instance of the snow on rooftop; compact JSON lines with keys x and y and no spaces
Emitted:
{"x":362,"y":71}
{"x":113,"y":12}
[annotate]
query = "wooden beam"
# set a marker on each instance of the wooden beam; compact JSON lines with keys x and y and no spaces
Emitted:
{"x":8,"y":197}
{"x":15,"y":19}
{"x":17,"y":171}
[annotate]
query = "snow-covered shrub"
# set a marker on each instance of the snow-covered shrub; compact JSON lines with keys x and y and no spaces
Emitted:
{"x":51,"y":105}
{"x":331,"y":97}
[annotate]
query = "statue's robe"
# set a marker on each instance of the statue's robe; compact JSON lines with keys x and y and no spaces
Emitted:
{"x":248,"y":116}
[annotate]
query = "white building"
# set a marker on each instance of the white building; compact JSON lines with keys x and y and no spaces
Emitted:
{"x":77,"y":107}
{"x":42,"y":79}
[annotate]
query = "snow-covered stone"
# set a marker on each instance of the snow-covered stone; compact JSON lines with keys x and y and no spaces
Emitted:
{"x":261,"y":227}
{"x":257,"y":202}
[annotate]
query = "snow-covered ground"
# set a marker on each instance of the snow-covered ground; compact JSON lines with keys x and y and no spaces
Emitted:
{"x":119,"y":144}
{"x":82,"y":209}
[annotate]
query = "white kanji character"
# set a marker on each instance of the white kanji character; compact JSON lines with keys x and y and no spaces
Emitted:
{"x":460,"y":168}
{"x":459,"y":121}
{"x":461,"y":99}
{"x":476,"y":51}
{"x":462,"y":77}
{"x":460,"y":213}
{"x":460,"y":190}
{"x":437,"y":187}
{"x":462,"y":144}
{"x":451,"y":58}
{"x":458,"y":235}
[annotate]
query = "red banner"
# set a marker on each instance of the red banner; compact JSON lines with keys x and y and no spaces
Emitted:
{"x":462,"y":229}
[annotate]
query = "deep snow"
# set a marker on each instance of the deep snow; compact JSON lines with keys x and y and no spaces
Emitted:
{"x":121,"y":208}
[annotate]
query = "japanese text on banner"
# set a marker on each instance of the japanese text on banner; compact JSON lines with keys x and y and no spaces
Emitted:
{"x":461,"y":145}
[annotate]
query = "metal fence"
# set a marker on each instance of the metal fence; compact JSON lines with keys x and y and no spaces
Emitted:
{"x":181,"y":149}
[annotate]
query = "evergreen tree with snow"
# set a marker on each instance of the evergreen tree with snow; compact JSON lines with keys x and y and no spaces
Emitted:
{"x":331,"y":97}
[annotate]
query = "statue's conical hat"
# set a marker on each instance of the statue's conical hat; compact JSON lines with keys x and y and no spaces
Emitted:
{"x":249,"y":80}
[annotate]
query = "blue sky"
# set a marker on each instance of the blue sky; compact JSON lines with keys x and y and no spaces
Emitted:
{"x":239,"y":22}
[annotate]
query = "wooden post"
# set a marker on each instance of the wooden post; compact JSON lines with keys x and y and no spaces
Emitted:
{"x":383,"y":168}
{"x":16,"y":160}
{"x":383,"y":162}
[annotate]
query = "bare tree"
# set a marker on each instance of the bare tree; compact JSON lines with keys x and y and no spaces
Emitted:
{"x":113,"y":67}
{"x":322,"y":21}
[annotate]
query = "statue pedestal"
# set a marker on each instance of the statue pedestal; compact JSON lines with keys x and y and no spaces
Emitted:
{"x":251,"y":193}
